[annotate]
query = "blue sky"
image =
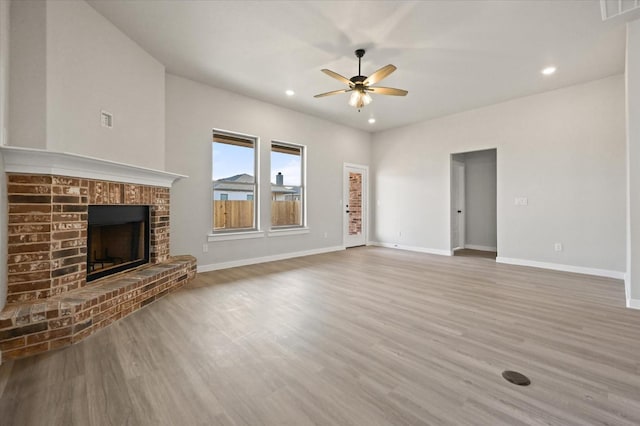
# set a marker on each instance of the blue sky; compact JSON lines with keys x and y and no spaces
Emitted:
{"x":230,"y":160}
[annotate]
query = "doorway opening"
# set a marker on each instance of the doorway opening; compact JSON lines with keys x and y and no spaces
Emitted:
{"x":474,"y":203}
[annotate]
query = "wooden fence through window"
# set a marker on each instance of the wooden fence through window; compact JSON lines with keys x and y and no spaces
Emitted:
{"x":231,"y":214}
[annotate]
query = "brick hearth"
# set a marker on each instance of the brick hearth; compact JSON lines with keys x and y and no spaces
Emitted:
{"x":49,"y":303}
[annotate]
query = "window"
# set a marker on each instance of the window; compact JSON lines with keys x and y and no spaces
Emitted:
{"x":234,"y":183}
{"x":287,"y":185}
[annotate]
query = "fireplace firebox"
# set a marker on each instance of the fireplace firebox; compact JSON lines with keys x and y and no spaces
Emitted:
{"x":118,"y":239}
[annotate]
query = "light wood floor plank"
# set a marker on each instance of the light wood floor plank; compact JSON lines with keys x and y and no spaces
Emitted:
{"x":368,"y":336}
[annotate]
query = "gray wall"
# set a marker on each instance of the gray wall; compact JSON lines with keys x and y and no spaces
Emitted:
{"x":480,"y":200}
{"x":67,"y":64}
{"x":564,"y":150}
{"x":193,"y":110}
{"x":28,"y":74}
{"x":633,"y":163}
{"x":4,"y":116}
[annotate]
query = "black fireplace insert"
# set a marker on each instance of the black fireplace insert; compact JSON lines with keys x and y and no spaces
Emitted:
{"x":117,"y":240}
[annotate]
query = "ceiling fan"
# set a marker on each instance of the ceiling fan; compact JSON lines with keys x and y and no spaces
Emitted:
{"x":360,"y":85}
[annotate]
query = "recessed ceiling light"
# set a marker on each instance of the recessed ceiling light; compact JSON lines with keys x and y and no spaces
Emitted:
{"x":548,"y":70}
{"x":372,"y":120}
{"x":290,"y":92}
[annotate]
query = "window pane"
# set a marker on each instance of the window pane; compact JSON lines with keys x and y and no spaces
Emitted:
{"x":286,"y":185}
{"x":233,"y":183}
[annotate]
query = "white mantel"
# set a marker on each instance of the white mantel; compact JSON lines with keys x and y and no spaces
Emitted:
{"x":41,"y":161}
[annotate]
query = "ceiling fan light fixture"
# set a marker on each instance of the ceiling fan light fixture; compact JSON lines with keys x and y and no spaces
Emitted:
{"x":360,"y":85}
{"x":359,"y":98}
{"x":354,"y":99}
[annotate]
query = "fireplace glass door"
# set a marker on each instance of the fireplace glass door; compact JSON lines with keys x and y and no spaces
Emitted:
{"x":118,"y":239}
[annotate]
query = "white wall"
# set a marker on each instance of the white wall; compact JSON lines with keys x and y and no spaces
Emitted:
{"x":92,"y":65}
{"x":4,"y":69}
{"x":4,"y":115}
{"x":633,"y":163}
{"x":193,"y":110}
{"x":69,"y":63}
{"x":28,"y":74}
{"x":564,"y":150}
{"x":480,"y":199}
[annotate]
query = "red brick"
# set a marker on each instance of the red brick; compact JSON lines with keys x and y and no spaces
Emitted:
{"x":28,"y":189}
{"x":29,"y":218}
{"x":29,"y":267}
{"x":27,"y":248}
{"x":14,"y":343}
{"x":29,"y":286}
{"x":48,"y":335}
{"x":65,"y":235}
{"x":30,"y":179}
{"x":59,"y":323}
{"x":25,"y":351}
{"x":65,"y":180}
{"x":59,"y":343}
{"x":29,"y":238}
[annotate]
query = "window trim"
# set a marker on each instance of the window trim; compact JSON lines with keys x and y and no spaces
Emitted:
{"x":280,"y":230}
{"x":238,"y":232}
{"x":229,"y":235}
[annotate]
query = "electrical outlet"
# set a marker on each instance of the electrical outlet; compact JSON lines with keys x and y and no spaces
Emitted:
{"x":557,"y":246}
{"x":205,"y":248}
{"x":521,"y":201}
{"x":106,"y":119}
{"x":326,"y":234}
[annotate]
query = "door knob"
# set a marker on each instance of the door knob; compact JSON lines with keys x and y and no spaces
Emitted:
{"x":459,"y":211}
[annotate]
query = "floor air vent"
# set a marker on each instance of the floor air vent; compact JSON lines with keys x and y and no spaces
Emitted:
{"x":516,"y":378}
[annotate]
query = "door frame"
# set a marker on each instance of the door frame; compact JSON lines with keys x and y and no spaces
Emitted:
{"x":460,"y":192}
{"x":498,"y":194}
{"x":365,"y":202}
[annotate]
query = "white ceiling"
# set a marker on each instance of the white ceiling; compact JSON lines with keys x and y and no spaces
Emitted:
{"x":451,"y":55}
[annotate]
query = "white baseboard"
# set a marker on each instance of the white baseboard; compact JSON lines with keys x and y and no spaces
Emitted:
{"x":633,"y":303}
{"x":627,"y":287}
{"x":560,"y":267}
{"x":483,"y":248}
{"x":413,"y":248}
{"x":254,"y":260}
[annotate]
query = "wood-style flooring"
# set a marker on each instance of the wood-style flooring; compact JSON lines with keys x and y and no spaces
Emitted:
{"x":367,"y":336}
{"x":475,"y":253}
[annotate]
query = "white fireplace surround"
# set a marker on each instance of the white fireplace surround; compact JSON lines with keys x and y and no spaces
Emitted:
{"x":41,"y":161}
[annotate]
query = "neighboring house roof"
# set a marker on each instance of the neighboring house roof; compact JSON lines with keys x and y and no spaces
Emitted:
{"x":239,"y":183}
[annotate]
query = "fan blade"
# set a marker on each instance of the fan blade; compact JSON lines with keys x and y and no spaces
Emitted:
{"x":335,"y":92}
{"x":338,"y":77}
{"x":387,"y":91}
{"x":380,"y":74}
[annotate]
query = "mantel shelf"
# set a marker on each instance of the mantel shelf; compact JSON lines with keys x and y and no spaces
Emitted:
{"x":41,"y":161}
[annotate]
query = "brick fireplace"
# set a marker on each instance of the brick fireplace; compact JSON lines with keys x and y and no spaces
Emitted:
{"x":50,"y":303}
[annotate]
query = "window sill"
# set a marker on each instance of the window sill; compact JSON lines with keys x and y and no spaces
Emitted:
{"x":288,"y":231}
{"x":228,"y":236}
